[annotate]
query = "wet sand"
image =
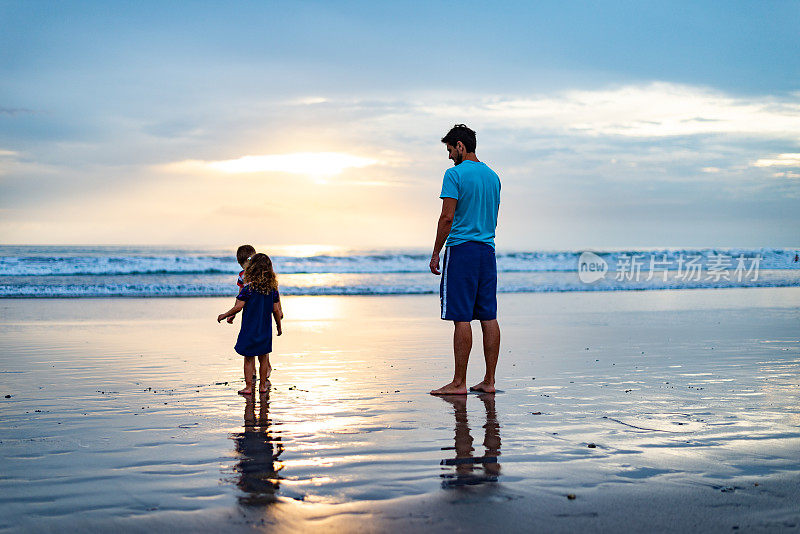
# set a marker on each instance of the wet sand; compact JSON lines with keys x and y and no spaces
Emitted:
{"x":123,"y":415}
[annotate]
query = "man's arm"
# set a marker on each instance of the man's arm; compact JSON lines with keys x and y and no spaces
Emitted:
{"x":443,"y":230}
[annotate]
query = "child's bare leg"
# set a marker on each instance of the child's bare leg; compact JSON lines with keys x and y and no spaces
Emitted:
{"x":264,"y":370}
{"x":249,"y":372}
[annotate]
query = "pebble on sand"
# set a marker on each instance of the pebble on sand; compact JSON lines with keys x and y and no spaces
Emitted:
{"x":571,"y":496}
{"x":8,"y":396}
{"x":592,"y":446}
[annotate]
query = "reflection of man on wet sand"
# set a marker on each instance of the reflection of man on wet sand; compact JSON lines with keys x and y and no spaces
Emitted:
{"x":259,"y":450}
{"x":468,"y":290}
{"x":465,"y":463}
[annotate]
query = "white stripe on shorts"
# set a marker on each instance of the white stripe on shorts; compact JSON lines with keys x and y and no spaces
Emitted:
{"x":446,"y":262}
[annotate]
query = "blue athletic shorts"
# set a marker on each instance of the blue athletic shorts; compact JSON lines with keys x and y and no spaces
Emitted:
{"x":468,"y":289}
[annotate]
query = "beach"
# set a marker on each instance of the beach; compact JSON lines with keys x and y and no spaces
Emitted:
{"x":660,"y":410}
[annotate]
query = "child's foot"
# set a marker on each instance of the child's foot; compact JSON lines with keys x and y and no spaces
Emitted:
{"x":245,"y":391}
{"x":264,"y":387}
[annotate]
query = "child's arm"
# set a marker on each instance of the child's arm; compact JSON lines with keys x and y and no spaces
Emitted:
{"x":232,"y":317}
{"x":278,"y":314}
{"x":233,"y":311}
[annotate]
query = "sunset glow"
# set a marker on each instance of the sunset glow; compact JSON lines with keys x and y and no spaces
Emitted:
{"x":306,"y":137}
{"x":317,"y":164}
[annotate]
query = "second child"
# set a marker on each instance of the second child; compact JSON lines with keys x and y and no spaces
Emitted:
{"x":258,"y":299}
{"x":243,"y":253}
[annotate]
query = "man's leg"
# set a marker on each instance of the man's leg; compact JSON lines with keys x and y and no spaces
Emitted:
{"x":491,"y":350}
{"x":462,"y":345}
{"x":486,"y":311}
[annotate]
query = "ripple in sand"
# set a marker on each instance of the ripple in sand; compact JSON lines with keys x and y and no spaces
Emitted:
{"x":644,"y":472}
{"x":677,"y":423}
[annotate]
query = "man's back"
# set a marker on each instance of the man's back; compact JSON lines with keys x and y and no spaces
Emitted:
{"x":476,"y":187}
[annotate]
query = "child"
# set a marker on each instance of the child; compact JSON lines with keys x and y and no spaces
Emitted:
{"x":258,"y":298}
{"x":243,"y":253}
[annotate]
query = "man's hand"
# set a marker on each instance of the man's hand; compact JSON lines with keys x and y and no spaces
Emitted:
{"x":435,"y":263}
{"x":220,"y":317}
{"x":230,"y":319}
{"x":280,"y":331}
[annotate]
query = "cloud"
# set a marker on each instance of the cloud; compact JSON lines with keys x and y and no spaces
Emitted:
{"x":15,"y":163}
{"x":657,"y":109}
{"x":308,"y":101}
{"x":316,"y":164}
{"x":787,"y":174}
{"x":781,"y":160}
{"x":668,"y":149}
{"x":16,"y":111}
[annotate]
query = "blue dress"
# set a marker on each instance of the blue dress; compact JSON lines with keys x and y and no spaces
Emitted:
{"x":255,"y":336}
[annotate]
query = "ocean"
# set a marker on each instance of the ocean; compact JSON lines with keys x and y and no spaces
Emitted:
{"x":141,"y":271}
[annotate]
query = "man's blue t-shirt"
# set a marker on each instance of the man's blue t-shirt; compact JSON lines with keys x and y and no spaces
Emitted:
{"x":477,"y":189}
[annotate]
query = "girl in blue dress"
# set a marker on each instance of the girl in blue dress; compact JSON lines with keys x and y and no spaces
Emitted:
{"x":259,"y":299}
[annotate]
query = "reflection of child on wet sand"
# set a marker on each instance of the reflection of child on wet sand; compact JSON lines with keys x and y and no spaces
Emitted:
{"x":259,"y":452}
{"x":259,"y":299}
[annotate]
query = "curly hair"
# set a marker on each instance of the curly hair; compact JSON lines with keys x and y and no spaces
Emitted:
{"x":259,"y":274}
{"x":460,"y":132}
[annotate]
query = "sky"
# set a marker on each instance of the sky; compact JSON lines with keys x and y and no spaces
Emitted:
{"x":611,"y":124}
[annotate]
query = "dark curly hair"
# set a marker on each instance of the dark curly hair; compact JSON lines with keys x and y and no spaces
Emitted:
{"x":259,"y":274}
{"x":460,"y":132}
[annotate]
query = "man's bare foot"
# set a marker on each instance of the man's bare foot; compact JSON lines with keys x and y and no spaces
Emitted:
{"x":452,"y":388}
{"x":483,"y":387}
{"x":264,"y":386}
{"x":245,"y":391}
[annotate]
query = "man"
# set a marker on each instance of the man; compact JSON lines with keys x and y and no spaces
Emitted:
{"x":468,"y":290}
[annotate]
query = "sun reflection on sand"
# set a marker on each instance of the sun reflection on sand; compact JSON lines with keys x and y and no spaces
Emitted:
{"x":313,"y":309}
{"x":330,"y":423}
